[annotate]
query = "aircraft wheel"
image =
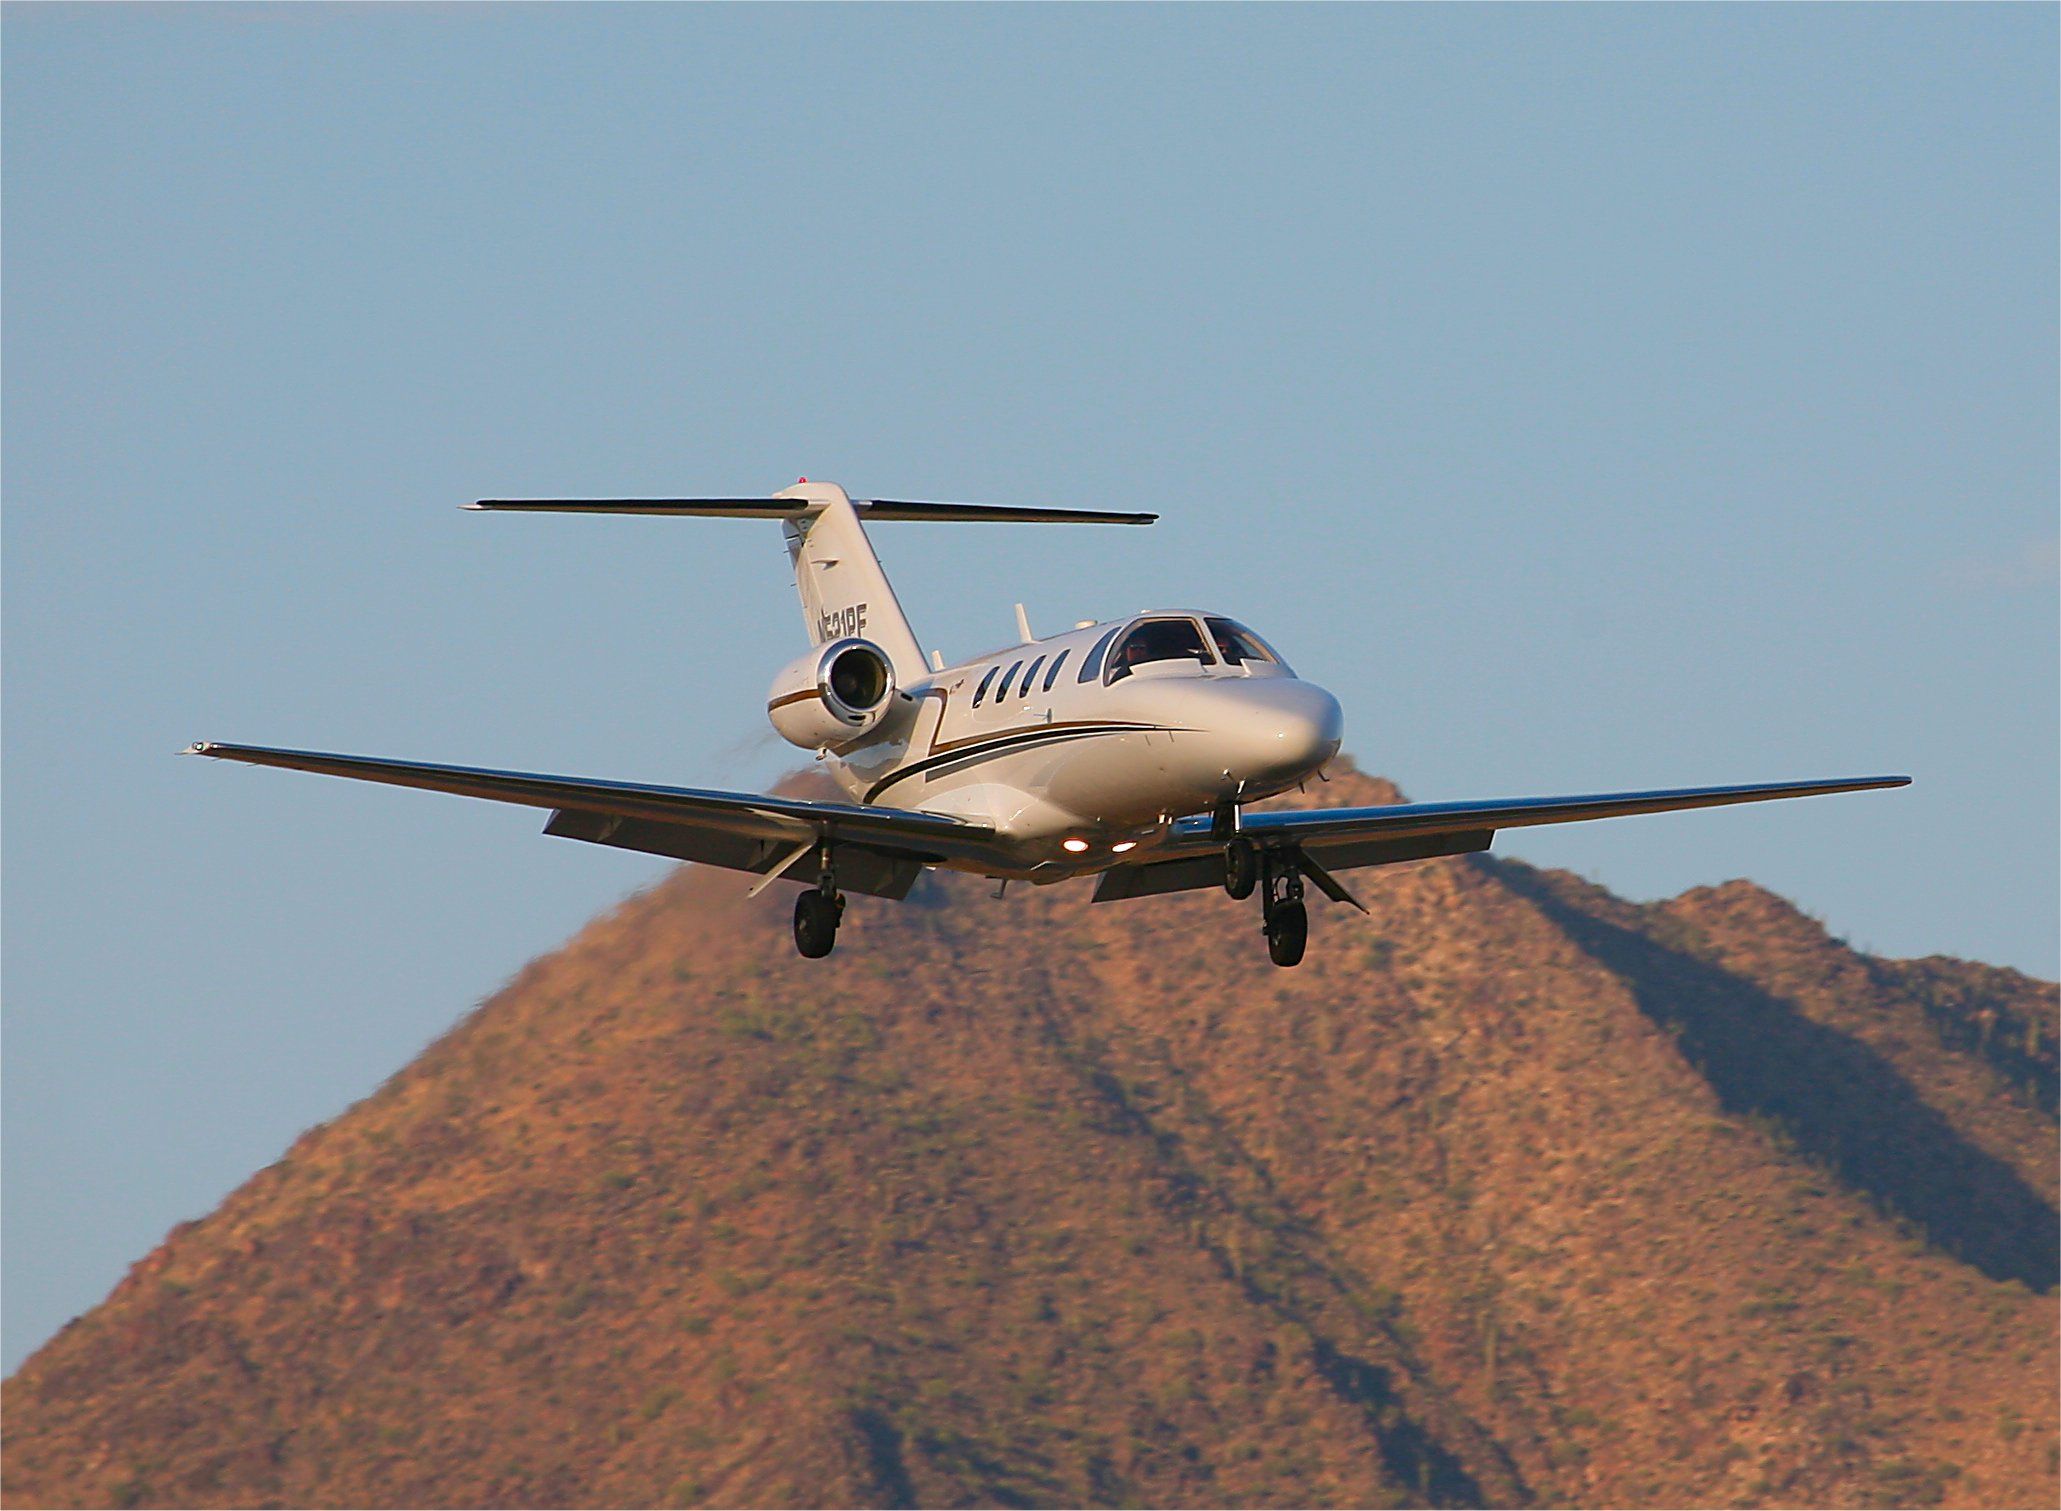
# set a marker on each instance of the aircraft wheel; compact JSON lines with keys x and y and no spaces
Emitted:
{"x":815,"y":923}
{"x":1241,"y":868}
{"x":1288,"y":933}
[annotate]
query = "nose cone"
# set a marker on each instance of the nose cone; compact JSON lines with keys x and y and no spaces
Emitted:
{"x":1278,"y":731}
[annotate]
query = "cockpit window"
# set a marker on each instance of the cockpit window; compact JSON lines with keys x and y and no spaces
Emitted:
{"x":1091,"y":668}
{"x":1237,"y":644}
{"x":1158,"y":640}
{"x":1009,"y":676}
{"x":1029,"y":677}
{"x":982,"y":691}
{"x":1052,"y":673}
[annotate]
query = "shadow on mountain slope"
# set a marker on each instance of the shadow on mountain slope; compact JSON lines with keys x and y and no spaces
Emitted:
{"x":883,"y":1444}
{"x":1425,"y":1441}
{"x":1836,"y":1099}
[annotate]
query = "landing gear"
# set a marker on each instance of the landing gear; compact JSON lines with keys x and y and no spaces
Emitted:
{"x":815,"y":923}
{"x":1286,"y":921}
{"x":816,"y":914}
{"x":1241,"y":868}
{"x":1288,"y":933}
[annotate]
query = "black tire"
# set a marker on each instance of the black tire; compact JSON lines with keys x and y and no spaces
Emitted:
{"x":1288,"y":933}
{"x":1241,"y":868}
{"x":815,"y":924}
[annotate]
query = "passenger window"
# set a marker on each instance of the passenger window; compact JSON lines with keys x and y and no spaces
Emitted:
{"x":1029,"y":677}
{"x":1159,"y":640}
{"x":1237,"y":644}
{"x":982,"y":691}
{"x":1092,"y":667}
{"x":1052,"y":675}
{"x":1009,"y":676}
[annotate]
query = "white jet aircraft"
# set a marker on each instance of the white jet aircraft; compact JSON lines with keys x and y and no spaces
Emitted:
{"x":1125,"y":750}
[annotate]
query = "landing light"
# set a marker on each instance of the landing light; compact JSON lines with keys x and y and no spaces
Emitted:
{"x":1075,"y":845}
{"x":1123,"y":845}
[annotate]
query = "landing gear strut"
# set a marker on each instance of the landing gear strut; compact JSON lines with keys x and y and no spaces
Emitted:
{"x":817,"y":912}
{"x":1286,"y":921}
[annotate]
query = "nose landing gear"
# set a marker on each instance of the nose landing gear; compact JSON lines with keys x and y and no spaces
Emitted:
{"x":1285,"y":920}
{"x":1241,"y":868}
{"x":817,"y":913}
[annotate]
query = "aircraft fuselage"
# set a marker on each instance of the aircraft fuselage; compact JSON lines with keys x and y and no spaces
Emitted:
{"x":1068,"y":749}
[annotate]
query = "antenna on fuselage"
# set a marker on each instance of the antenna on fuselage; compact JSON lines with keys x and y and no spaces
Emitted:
{"x":1023,"y":629}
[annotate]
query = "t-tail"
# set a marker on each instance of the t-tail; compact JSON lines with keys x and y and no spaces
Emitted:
{"x":844,"y":592}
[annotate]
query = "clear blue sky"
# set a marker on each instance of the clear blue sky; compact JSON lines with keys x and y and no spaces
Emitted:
{"x":1591,"y":397}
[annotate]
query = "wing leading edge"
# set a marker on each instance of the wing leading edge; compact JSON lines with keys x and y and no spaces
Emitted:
{"x":1341,"y":838}
{"x":745,"y":831}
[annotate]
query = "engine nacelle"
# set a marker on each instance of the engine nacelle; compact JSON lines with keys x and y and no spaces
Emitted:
{"x":832,"y":695}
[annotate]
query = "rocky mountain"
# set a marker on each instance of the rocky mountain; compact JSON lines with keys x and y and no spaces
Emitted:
{"x":1515,"y":1192}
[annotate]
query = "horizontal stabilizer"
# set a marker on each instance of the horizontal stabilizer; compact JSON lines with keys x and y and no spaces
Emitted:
{"x":794,"y":508}
{"x":1001,"y":514}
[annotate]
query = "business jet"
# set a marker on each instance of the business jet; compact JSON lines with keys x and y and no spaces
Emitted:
{"x":1129,"y":750}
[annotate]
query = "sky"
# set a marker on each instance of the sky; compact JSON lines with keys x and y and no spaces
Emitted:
{"x":1590,"y":397}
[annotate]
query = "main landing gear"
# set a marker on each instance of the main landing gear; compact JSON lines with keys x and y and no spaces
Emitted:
{"x":817,"y":912}
{"x":1275,"y":875}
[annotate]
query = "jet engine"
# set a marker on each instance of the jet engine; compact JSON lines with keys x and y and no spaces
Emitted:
{"x":832,"y":695}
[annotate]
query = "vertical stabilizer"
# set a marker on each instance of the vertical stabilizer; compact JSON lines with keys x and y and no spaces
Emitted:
{"x":843,"y":590}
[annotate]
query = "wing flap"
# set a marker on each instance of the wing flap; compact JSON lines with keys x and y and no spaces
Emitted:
{"x":1192,"y":872}
{"x":1155,"y":879}
{"x":712,"y":847}
{"x":860,"y":868}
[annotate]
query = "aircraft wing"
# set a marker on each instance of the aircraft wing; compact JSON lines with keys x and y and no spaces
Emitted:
{"x":1341,"y":838}
{"x":880,"y":850}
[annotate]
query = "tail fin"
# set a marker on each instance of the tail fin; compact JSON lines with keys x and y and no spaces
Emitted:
{"x":843,"y":590}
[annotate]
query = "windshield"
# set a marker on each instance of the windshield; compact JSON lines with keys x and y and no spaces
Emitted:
{"x":1158,"y":640}
{"x":1238,"y":645}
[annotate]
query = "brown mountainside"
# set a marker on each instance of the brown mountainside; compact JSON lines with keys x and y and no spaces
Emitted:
{"x":1513,"y":1193}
